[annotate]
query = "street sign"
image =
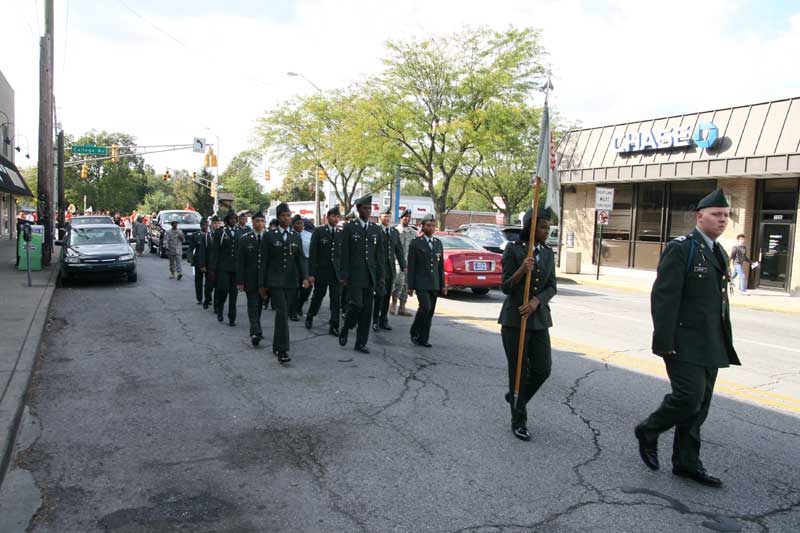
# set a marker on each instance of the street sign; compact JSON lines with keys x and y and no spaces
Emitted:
{"x":89,"y":149}
{"x":199,"y":145}
{"x":604,"y":199}
{"x":499,"y":218}
{"x":602,"y":218}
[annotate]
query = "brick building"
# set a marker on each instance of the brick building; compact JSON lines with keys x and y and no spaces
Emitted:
{"x":660,"y":168}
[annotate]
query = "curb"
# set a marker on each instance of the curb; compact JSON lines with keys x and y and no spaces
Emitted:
{"x":13,"y":400}
{"x":630,"y":288}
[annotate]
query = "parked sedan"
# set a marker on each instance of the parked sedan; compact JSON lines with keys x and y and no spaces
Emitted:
{"x":96,"y":249}
{"x":468,"y":265}
{"x":89,"y":219}
{"x":493,"y":237}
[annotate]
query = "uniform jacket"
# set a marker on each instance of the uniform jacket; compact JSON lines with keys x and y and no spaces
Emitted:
{"x":174,"y":241}
{"x":251,"y":254}
{"x":225,"y":242}
{"x":205,"y":253}
{"x":361,"y":259}
{"x":689,"y":304}
{"x":393,"y":249}
{"x":323,"y":254}
{"x":543,"y":286}
{"x":284,"y":266}
{"x":197,"y":240}
{"x":139,"y":230}
{"x":406,"y":235}
{"x":425,"y":265}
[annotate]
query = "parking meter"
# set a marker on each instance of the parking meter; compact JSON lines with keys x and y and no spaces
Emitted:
{"x":26,"y":232}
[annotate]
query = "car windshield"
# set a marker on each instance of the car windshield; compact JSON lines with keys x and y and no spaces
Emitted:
{"x":190,"y":217}
{"x":90,"y":220}
{"x":512,"y":234}
{"x":453,"y":242}
{"x":486,"y":236}
{"x":83,"y":236}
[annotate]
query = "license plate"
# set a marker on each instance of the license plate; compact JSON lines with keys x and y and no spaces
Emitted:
{"x":481,"y":277}
{"x":480,"y":266}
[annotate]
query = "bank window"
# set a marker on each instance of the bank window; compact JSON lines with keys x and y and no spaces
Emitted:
{"x":617,"y":233}
{"x":683,"y":205}
{"x":649,"y":211}
{"x":780,"y":195}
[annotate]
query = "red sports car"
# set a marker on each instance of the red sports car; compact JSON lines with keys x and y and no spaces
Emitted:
{"x":468,"y":265}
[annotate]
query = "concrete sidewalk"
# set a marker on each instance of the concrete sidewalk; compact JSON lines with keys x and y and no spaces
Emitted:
{"x":642,"y":281}
{"x":23,"y":317}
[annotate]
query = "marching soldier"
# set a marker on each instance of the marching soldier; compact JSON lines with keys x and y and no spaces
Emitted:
{"x":248,"y":274}
{"x":392,"y":250}
{"x":210,"y":263}
{"x":692,"y":333}
{"x":198,"y":251}
{"x":361,"y":271}
{"x":400,"y":289}
{"x":536,"y":361}
{"x":225,"y":242}
{"x":280,"y":276}
{"x":426,"y":276}
{"x":322,"y":271}
{"x":241,"y":225}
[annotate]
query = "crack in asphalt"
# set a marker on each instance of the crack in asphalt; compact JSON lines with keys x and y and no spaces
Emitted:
{"x":733,"y":414}
{"x":598,"y":449}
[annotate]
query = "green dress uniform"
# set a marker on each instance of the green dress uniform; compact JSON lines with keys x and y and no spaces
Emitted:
{"x":280,"y":275}
{"x":393,"y":249}
{"x":425,"y":276}
{"x":536,"y":353}
{"x":322,"y":266}
{"x":691,"y":316}
{"x":248,"y":273}
{"x":361,"y":271}
{"x":198,"y":251}
{"x":226,"y":240}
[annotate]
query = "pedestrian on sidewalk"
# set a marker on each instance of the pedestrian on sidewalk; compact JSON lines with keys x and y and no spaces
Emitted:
{"x":738,"y":258}
{"x":400,"y":288}
{"x":692,"y":333}
{"x":140,"y":234}
{"x":174,"y":241}
{"x":536,"y":353}
{"x":426,"y":276}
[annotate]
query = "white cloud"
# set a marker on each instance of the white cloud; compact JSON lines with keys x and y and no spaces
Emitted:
{"x":612,"y":61}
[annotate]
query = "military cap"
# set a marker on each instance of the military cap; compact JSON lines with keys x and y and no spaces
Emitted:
{"x":714,"y":199}
{"x":334,"y":210}
{"x":283,"y":207}
{"x":386,"y":211}
{"x":364,"y":200}
{"x":273,"y":222}
{"x":543,"y":212}
{"x":428,"y":218}
{"x":229,"y":214}
{"x":296,"y":218}
{"x":259,"y":214}
{"x":215,"y":218}
{"x":405,"y":213}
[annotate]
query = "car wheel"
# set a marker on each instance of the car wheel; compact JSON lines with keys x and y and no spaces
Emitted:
{"x":132,"y":277}
{"x":480,"y":290}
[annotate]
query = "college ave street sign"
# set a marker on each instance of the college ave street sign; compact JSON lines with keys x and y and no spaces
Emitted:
{"x":89,"y":149}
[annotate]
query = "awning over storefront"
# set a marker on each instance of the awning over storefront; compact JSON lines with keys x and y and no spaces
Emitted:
{"x":11,"y":180}
{"x":757,"y":140}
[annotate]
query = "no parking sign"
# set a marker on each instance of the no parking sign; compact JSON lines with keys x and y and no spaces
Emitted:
{"x":602,"y":217}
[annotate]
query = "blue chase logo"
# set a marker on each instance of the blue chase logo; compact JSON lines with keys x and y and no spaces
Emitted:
{"x":705,"y":135}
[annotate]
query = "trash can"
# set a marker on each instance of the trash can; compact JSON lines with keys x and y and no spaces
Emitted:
{"x":573,"y":262}
{"x":37,"y":238}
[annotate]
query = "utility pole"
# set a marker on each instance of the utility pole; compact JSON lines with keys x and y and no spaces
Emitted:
{"x":44,"y":176}
{"x":62,"y":205}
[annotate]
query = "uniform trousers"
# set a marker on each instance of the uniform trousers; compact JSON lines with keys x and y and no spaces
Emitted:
{"x":685,"y":409}
{"x":226,"y":287}
{"x":174,"y":263}
{"x":202,"y":287}
{"x":255,"y":304}
{"x":281,"y":299}
{"x":359,"y":312}
{"x":316,"y":301}
{"x":536,"y":365}
{"x":421,"y":327}
{"x":380,"y":312}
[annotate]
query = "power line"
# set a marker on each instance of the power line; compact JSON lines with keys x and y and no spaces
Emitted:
{"x":66,"y":33}
{"x":154,"y":26}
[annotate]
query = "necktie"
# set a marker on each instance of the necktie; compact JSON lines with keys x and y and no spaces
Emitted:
{"x":259,"y":238}
{"x":536,"y":253}
{"x":718,"y":255}
{"x":430,"y":244}
{"x":284,"y":235}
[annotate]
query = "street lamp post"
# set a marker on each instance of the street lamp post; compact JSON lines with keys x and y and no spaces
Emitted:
{"x":216,"y":174}
{"x":317,"y":217}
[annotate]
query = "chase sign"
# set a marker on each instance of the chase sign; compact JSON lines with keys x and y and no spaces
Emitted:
{"x":705,"y":135}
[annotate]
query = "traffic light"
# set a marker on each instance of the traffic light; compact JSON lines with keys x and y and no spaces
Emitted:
{"x":210,"y":159}
{"x":213,"y":160}
{"x":115,"y":153}
{"x":166,"y":176}
{"x":322,"y":175}
{"x":266,"y":174}
{"x":84,"y":171}
{"x":207,"y":160}
{"x":194,"y":176}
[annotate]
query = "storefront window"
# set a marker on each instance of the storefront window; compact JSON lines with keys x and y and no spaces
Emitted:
{"x":780,"y":195}
{"x":683,"y":201}
{"x":617,"y":233}
{"x":649,"y":208}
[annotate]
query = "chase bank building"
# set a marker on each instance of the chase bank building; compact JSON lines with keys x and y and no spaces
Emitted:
{"x":660,"y":168}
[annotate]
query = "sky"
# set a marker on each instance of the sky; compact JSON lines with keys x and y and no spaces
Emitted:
{"x":169,"y":71}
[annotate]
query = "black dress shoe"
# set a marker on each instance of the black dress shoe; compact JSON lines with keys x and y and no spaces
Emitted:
{"x":255,"y":339}
{"x":425,"y":344}
{"x":414,"y":340}
{"x":386,"y":326}
{"x":362,"y":349}
{"x":700,"y":475}
{"x":219,"y":317}
{"x":309,"y":322}
{"x":283,"y":357}
{"x":333,"y":330}
{"x":522,"y":433}
{"x":199,"y":302}
{"x":375,"y":326}
{"x":205,"y":305}
{"x":343,"y":336}
{"x":648,"y":448}
{"x":294,"y":318}
{"x":231,"y":323}
{"x":508,"y":397}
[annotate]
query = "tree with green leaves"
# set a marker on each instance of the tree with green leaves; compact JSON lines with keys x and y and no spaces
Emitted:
{"x":299,"y":189}
{"x":240,"y":180}
{"x":436,"y":96}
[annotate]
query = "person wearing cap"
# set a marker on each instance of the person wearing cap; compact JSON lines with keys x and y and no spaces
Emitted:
{"x":251,"y":254}
{"x":301,"y":297}
{"x":361,"y":271}
{"x":199,"y":242}
{"x":226,"y":240}
{"x":140,"y":233}
{"x":426,"y":277}
{"x":392,"y":249}
{"x":406,"y":234}
{"x":281,"y":272}
{"x":174,"y":245}
{"x":536,"y":356}
{"x":216,"y":223}
{"x":242,"y":223}
{"x":322,"y":270}
{"x":692,"y":333}
{"x":209,"y":262}
{"x":273,"y":224}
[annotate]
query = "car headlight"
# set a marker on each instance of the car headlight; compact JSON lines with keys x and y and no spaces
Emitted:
{"x":126,"y":257}
{"x":72,"y":259}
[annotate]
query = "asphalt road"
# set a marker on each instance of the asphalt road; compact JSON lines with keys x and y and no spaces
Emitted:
{"x":148,"y":415}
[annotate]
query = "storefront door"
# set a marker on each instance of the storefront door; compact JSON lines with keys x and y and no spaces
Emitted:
{"x":774,"y":254}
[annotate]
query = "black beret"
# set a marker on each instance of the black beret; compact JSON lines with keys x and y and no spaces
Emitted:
{"x":296,"y":218}
{"x":258,"y":214}
{"x":230,"y":214}
{"x":714,"y":199}
{"x":364,"y":200}
{"x":215,"y":218}
{"x":334,"y":210}
{"x":273,"y":222}
{"x":283,"y":207}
